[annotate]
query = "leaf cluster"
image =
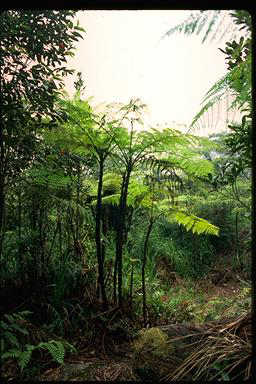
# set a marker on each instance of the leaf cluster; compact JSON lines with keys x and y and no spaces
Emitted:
{"x":11,"y":347}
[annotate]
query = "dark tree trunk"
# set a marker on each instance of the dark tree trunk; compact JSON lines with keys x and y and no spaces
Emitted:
{"x":131,"y":287}
{"x":121,"y":231}
{"x":2,"y":186}
{"x":43,"y":267}
{"x":77,"y":202}
{"x":104,"y":231}
{"x":115,"y":281}
{"x":145,"y":250}
{"x":98,"y":235}
{"x":19,"y":232}
{"x":54,"y":235}
{"x":34,"y":274}
{"x":60,"y":240}
{"x":180,"y":234}
{"x":2,"y":221}
{"x":238,"y":255}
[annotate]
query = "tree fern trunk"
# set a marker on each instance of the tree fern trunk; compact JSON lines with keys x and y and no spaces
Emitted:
{"x":2,"y":187}
{"x":98,"y":235}
{"x":121,"y":232}
{"x":77,"y":204}
{"x":238,"y":255}
{"x":131,"y":287}
{"x":144,"y":266}
{"x":19,"y":232}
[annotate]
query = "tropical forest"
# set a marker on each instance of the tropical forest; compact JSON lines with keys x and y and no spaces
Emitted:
{"x":125,"y":249}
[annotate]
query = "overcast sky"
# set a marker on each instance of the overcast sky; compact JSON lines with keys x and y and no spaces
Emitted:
{"x":122,"y":57}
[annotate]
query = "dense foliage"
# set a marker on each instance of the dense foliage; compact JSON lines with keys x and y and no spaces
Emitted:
{"x":102,"y":219}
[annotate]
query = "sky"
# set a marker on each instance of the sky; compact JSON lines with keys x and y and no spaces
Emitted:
{"x":123,"y":56}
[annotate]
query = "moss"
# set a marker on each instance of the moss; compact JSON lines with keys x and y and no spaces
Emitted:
{"x":155,"y":341}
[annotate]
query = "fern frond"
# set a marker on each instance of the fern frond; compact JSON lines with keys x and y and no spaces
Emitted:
{"x":56,"y":349}
{"x":12,"y":354}
{"x":193,"y":164}
{"x":11,"y":338}
{"x":3,"y":325}
{"x":196,"y":224}
{"x":111,"y":199}
{"x":229,"y":83}
{"x":22,"y":314}
{"x":25,"y":356}
{"x":202,"y":22}
{"x":17,"y":328}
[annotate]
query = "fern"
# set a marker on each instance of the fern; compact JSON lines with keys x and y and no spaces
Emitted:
{"x":197,"y":23}
{"x":196,"y":224}
{"x":12,"y":353}
{"x":11,"y":338}
{"x":10,"y":328}
{"x":56,"y":349}
{"x":25,"y":356}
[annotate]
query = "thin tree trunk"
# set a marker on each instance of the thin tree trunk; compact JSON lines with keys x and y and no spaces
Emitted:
{"x":121,"y":232}
{"x":117,"y":239}
{"x":41,"y":234}
{"x":104,"y":231}
{"x":77,"y":202}
{"x":115,"y":281}
{"x":180,"y":234}
{"x":2,"y":215}
{"x":98,"y":235}
{"x":54,"y":235}
{"x":78,"y":249}
{"x":34,"y":249}
{"x":19,"y":232}
{"x":238,"y":255}
{"x":2,"y":184}
{"x":145,"y":250}
{"x":131,"y":287}
{"x":60,"y":240}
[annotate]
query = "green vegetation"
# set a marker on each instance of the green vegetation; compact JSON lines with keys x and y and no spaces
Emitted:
{"x":107,"y":227}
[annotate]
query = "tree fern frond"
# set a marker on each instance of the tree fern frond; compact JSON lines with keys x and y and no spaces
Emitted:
{"x":44,"y":176}
{"x":111,"y":199}
{"x":193,"y":164}
{"x":202,"y":22}
{"x":196,"y":224}
{"x":112,"y":181}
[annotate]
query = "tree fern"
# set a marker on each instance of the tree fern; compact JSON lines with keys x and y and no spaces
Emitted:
{"x":238,"y":79}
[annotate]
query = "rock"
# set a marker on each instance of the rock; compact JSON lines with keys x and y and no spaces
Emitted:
{"x":159,"y":351}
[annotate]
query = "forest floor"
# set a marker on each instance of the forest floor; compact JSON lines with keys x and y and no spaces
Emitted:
{"x":118,"y":365}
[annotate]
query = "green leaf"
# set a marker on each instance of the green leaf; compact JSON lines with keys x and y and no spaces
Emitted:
{"x":196,"y":224}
